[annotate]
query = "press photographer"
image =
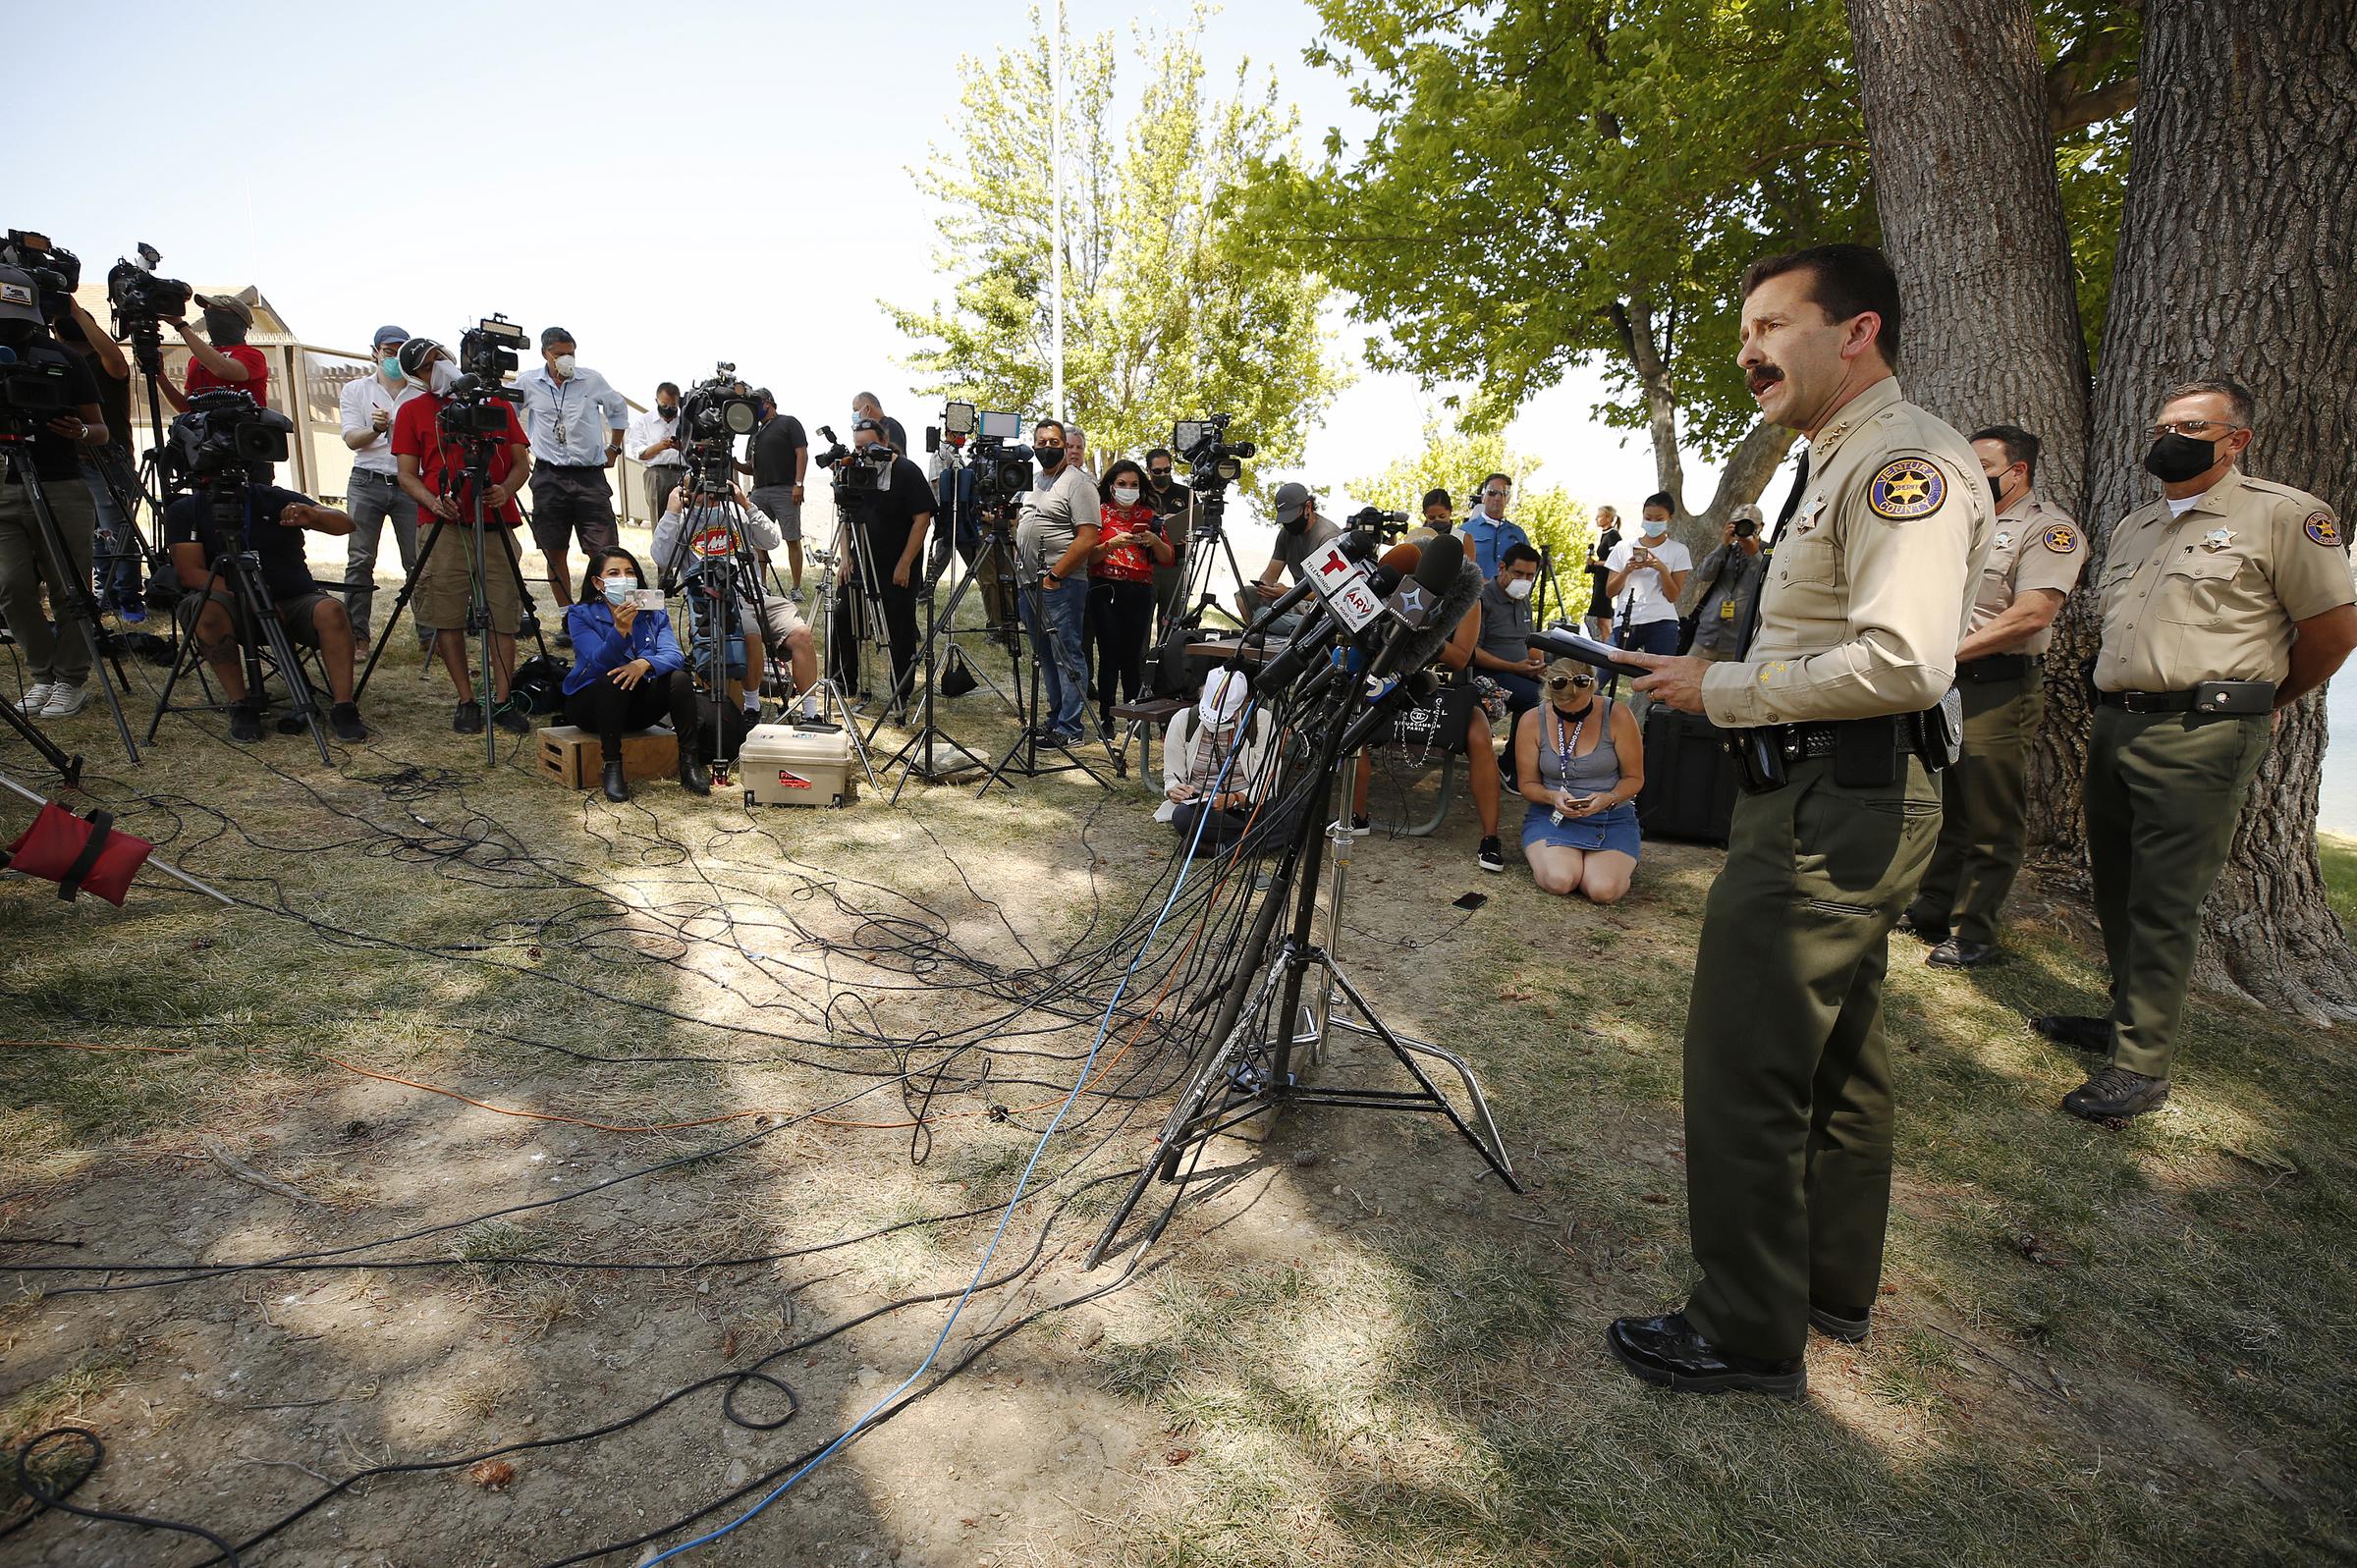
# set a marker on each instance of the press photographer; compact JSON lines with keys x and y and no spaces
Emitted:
{"x":1051,"y":543}
{"x":885,"y":507}
{"x":433,"y":465}
{"x":1731,"y":576}
{"x":272,"y":524}
{"x":50,"y":415}
{"x":221,"y":358}
{"x":764,"y":620}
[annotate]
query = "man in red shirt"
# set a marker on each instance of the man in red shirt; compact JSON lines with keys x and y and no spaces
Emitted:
{"x":221,"y":358}
{"x":433,"y":474}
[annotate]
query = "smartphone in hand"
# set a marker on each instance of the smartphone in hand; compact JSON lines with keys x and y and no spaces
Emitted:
{"x":647,"y":598}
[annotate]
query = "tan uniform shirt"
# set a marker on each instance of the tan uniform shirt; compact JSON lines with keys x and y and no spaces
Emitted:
{"x":2036,"y":546}
{"x":1873,"y":579}
{"x":2212,"y":595}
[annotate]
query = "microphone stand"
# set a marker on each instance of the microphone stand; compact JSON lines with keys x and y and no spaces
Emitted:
{"x":1249,"y":1073}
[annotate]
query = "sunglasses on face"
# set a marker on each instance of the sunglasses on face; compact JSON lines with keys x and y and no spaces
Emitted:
{"x":1160,"y":473}
{"x":1565,"y":683}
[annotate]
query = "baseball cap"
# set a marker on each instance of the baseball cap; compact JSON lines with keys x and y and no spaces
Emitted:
{"x":385,"y":335}
{"x":19,"y":298}
{"x":416,"y":352}
{"x":552,"y":336}
{"x":761,"y":395}
{"x":1745,"y":514}
{"x":1292,"y":500}
{"x":227,"y":303}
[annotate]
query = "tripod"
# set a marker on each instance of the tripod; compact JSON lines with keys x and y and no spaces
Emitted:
{"x":1027,"y":745}
{"x":712,"y":561}
{"x":822,"y":635}
{"x":1249,"y":1073}
{"x":1204,"y":514}
{"x":254,"y":610}
{"x":922,"y":753}
{"x":70,"y":589}
{"x":473,"y":482}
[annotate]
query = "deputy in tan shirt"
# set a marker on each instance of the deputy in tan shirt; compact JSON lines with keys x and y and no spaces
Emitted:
{"x":2223,"y":601}
{"x":1788,"y":1083}
{"x":2034,"y":561}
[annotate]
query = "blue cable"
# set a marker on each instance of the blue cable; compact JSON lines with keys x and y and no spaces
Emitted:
{"x":981,"y":1269}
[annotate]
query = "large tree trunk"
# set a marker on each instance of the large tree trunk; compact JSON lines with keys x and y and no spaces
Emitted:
{"x":1741,"y":477}
{"x":2235,"y":257}
{"x":1956,"y":104}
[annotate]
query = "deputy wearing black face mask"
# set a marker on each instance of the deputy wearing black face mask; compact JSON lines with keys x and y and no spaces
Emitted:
{"x":2223,"y":601}
{"x":222,"y":358}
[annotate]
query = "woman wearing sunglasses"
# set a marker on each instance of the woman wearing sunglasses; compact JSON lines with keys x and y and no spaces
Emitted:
{"x":1580,"y":763}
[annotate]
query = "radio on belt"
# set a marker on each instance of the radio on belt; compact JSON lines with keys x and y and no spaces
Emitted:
{"x":788,"y":765}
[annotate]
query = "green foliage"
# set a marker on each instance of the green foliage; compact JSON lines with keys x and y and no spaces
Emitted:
{"x":1457,"y":461}
{"x":1163,"y":319}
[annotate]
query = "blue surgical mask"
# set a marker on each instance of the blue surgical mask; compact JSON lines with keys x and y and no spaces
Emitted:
{"x":620,"y":589}
{"x":389,"y":367}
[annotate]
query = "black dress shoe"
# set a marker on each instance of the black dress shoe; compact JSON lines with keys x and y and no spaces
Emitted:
{"x":245,"y":720}
{"x":618,"y":788}
{"x":1921,"y":927}
{"x":2075,"y":1029}
{"x":1957,"y":953}
{"x":1672,"y":1353}
{"x":1849,"y":1325}
{"x":694,"y":777}
{"x":2115,"y":1094}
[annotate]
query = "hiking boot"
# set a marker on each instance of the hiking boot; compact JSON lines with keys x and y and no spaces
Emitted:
{"x":246,"y":722}
{"x":345,"y":719}
{"x":466,"y":718}
{"x":2115,"y":1094}
{"x":1957,"y":953}
{"x":2077,"y":1030}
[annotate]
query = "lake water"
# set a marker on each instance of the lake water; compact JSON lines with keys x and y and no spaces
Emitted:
{"x":2337,"y":807}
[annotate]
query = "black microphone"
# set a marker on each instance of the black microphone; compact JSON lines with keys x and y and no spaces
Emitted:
{"x":1352,"y":546}
{"x":1415,"y":647}
{"x":1315,"y":636}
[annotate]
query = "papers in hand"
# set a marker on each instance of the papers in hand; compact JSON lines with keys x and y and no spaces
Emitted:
{"x":1563,"y":644}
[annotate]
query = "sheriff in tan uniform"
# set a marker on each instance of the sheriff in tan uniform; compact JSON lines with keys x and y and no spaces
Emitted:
{"x":2034,"y":561}
{"x":1787,"y":1085}
{"x":2225,"y":599}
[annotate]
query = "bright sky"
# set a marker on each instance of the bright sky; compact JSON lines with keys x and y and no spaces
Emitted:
{"x":675,"y":184}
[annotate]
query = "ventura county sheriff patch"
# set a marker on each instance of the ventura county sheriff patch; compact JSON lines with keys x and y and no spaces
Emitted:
{"x":1906,"y":487}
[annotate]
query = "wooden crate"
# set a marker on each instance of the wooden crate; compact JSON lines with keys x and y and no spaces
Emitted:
{"x":569,"y":754}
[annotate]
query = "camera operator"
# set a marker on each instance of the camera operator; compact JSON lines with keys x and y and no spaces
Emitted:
{"x":59,"y":665}
{"x":365,"y":409}
{"x":892,"y":520}
{"x":276,"y":520}
{"x":1051,"y":543}
{"x":432,"y":465}
{"x":781,"y":460}
{"x":1730,"y":577}
{"x":764,"y":620}
{"x":1299,"y":530}
{"x":655,"y":443}
{"x":576,"y":419}
{"x":222,"y":358}
{"x":865,"y":407}
{"x":1169,"y":499}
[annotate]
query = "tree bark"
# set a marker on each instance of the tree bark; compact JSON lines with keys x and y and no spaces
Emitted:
{"x":2235,"y":257}
{"x":1955,"y":105}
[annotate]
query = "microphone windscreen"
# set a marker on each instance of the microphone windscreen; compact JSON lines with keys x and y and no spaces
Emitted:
{"x":1418,"y":646}
{"x":1403,"y":557}
{"x":1437,"y":570}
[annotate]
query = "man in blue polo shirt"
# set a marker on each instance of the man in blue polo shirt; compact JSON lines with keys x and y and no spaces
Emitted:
{"x":1488,"y":532}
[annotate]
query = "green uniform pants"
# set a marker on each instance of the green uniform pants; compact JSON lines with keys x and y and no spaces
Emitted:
{"x":1983,"y":826}
{"x":53,"y":650}
{"x":2163,"y":792}
{"x":1788,"y":1076}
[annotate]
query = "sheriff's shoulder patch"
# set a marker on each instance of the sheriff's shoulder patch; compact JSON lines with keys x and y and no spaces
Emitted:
{"x":1906,"y":487}
{"x":2325,"y":528}
{"x":2061,"y":539}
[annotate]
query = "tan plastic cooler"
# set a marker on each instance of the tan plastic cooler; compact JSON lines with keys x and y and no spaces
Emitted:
{"x":783,"y":765}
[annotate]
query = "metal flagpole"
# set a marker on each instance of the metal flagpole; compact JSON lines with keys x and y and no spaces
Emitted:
{"x":1056,"y":196}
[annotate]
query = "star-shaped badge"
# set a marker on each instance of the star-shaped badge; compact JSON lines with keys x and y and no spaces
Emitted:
{"x":2218,"y":538}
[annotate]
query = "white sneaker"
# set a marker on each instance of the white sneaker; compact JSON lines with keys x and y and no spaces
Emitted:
{"x":66,"y":701}
{"x":36,"y":698}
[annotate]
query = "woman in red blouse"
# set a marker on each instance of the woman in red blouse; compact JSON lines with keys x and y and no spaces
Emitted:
{"x":1121,"y":587}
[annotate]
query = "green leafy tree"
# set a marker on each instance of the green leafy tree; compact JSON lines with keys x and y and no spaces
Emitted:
{"x":1164,"y":318}
{"x":1457,"y":461}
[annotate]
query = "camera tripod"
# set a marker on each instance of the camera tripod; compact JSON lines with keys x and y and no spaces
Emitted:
{"x":69,"y":590}
{"x":1027,"y":744}
{"x":866,"y":623}
{"x":922,"y":755}
{"x":1204,"y":529}
{"x":253,"y":610}
{"x":127,"y":492}
{"x":1264,"y":1020}
{"x":474,"y":482}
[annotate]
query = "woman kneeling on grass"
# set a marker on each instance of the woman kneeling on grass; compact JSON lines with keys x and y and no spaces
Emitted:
{"x":1580,"y":763}
{"x":627,"y":671}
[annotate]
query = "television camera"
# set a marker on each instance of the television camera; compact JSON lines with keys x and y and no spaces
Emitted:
{"x":712,"y":416}
{"x":487,"y":355}
{"x":855,"y":467}
{"x":142,"y":302}
{"x":223,"y":434}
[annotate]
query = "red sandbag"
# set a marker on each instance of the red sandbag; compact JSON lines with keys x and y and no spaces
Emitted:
{"x":79,"y":855}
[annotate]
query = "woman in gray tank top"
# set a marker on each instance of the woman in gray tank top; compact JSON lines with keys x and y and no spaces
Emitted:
{"x":1581,"y":763}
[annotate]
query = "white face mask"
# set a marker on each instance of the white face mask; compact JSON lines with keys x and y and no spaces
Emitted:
{"x":1520,"y":588}
{"x":1125,"y":495}
{"x":439,"y":376}
{"x":564,"y":364}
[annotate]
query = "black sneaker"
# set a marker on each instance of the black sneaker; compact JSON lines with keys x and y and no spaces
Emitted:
{"x":1360,"y":826}
{"x":1490,"y":857}
{"x":245,"y":722}
{"x":2114,"y":1095}
{"x":345,"y":719}
{"x":513,"y":717}
{"x":466,"y":718}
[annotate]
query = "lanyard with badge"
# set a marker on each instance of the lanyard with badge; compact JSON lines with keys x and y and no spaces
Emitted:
{"x":556,"y":390}
{"x":1564,"y":746}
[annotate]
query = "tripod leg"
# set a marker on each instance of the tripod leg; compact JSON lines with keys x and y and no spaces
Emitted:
{"x":71,"y":586}
{"x":401,"y":602}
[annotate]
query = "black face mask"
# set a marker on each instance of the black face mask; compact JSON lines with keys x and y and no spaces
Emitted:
{"x":222,"y":329}
{"x":669,"y":410}
{"x":1441,"y":524}
{"x":2175,"y":459}
{"x":1050,"y":457}
{"x":1996,"y":490}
